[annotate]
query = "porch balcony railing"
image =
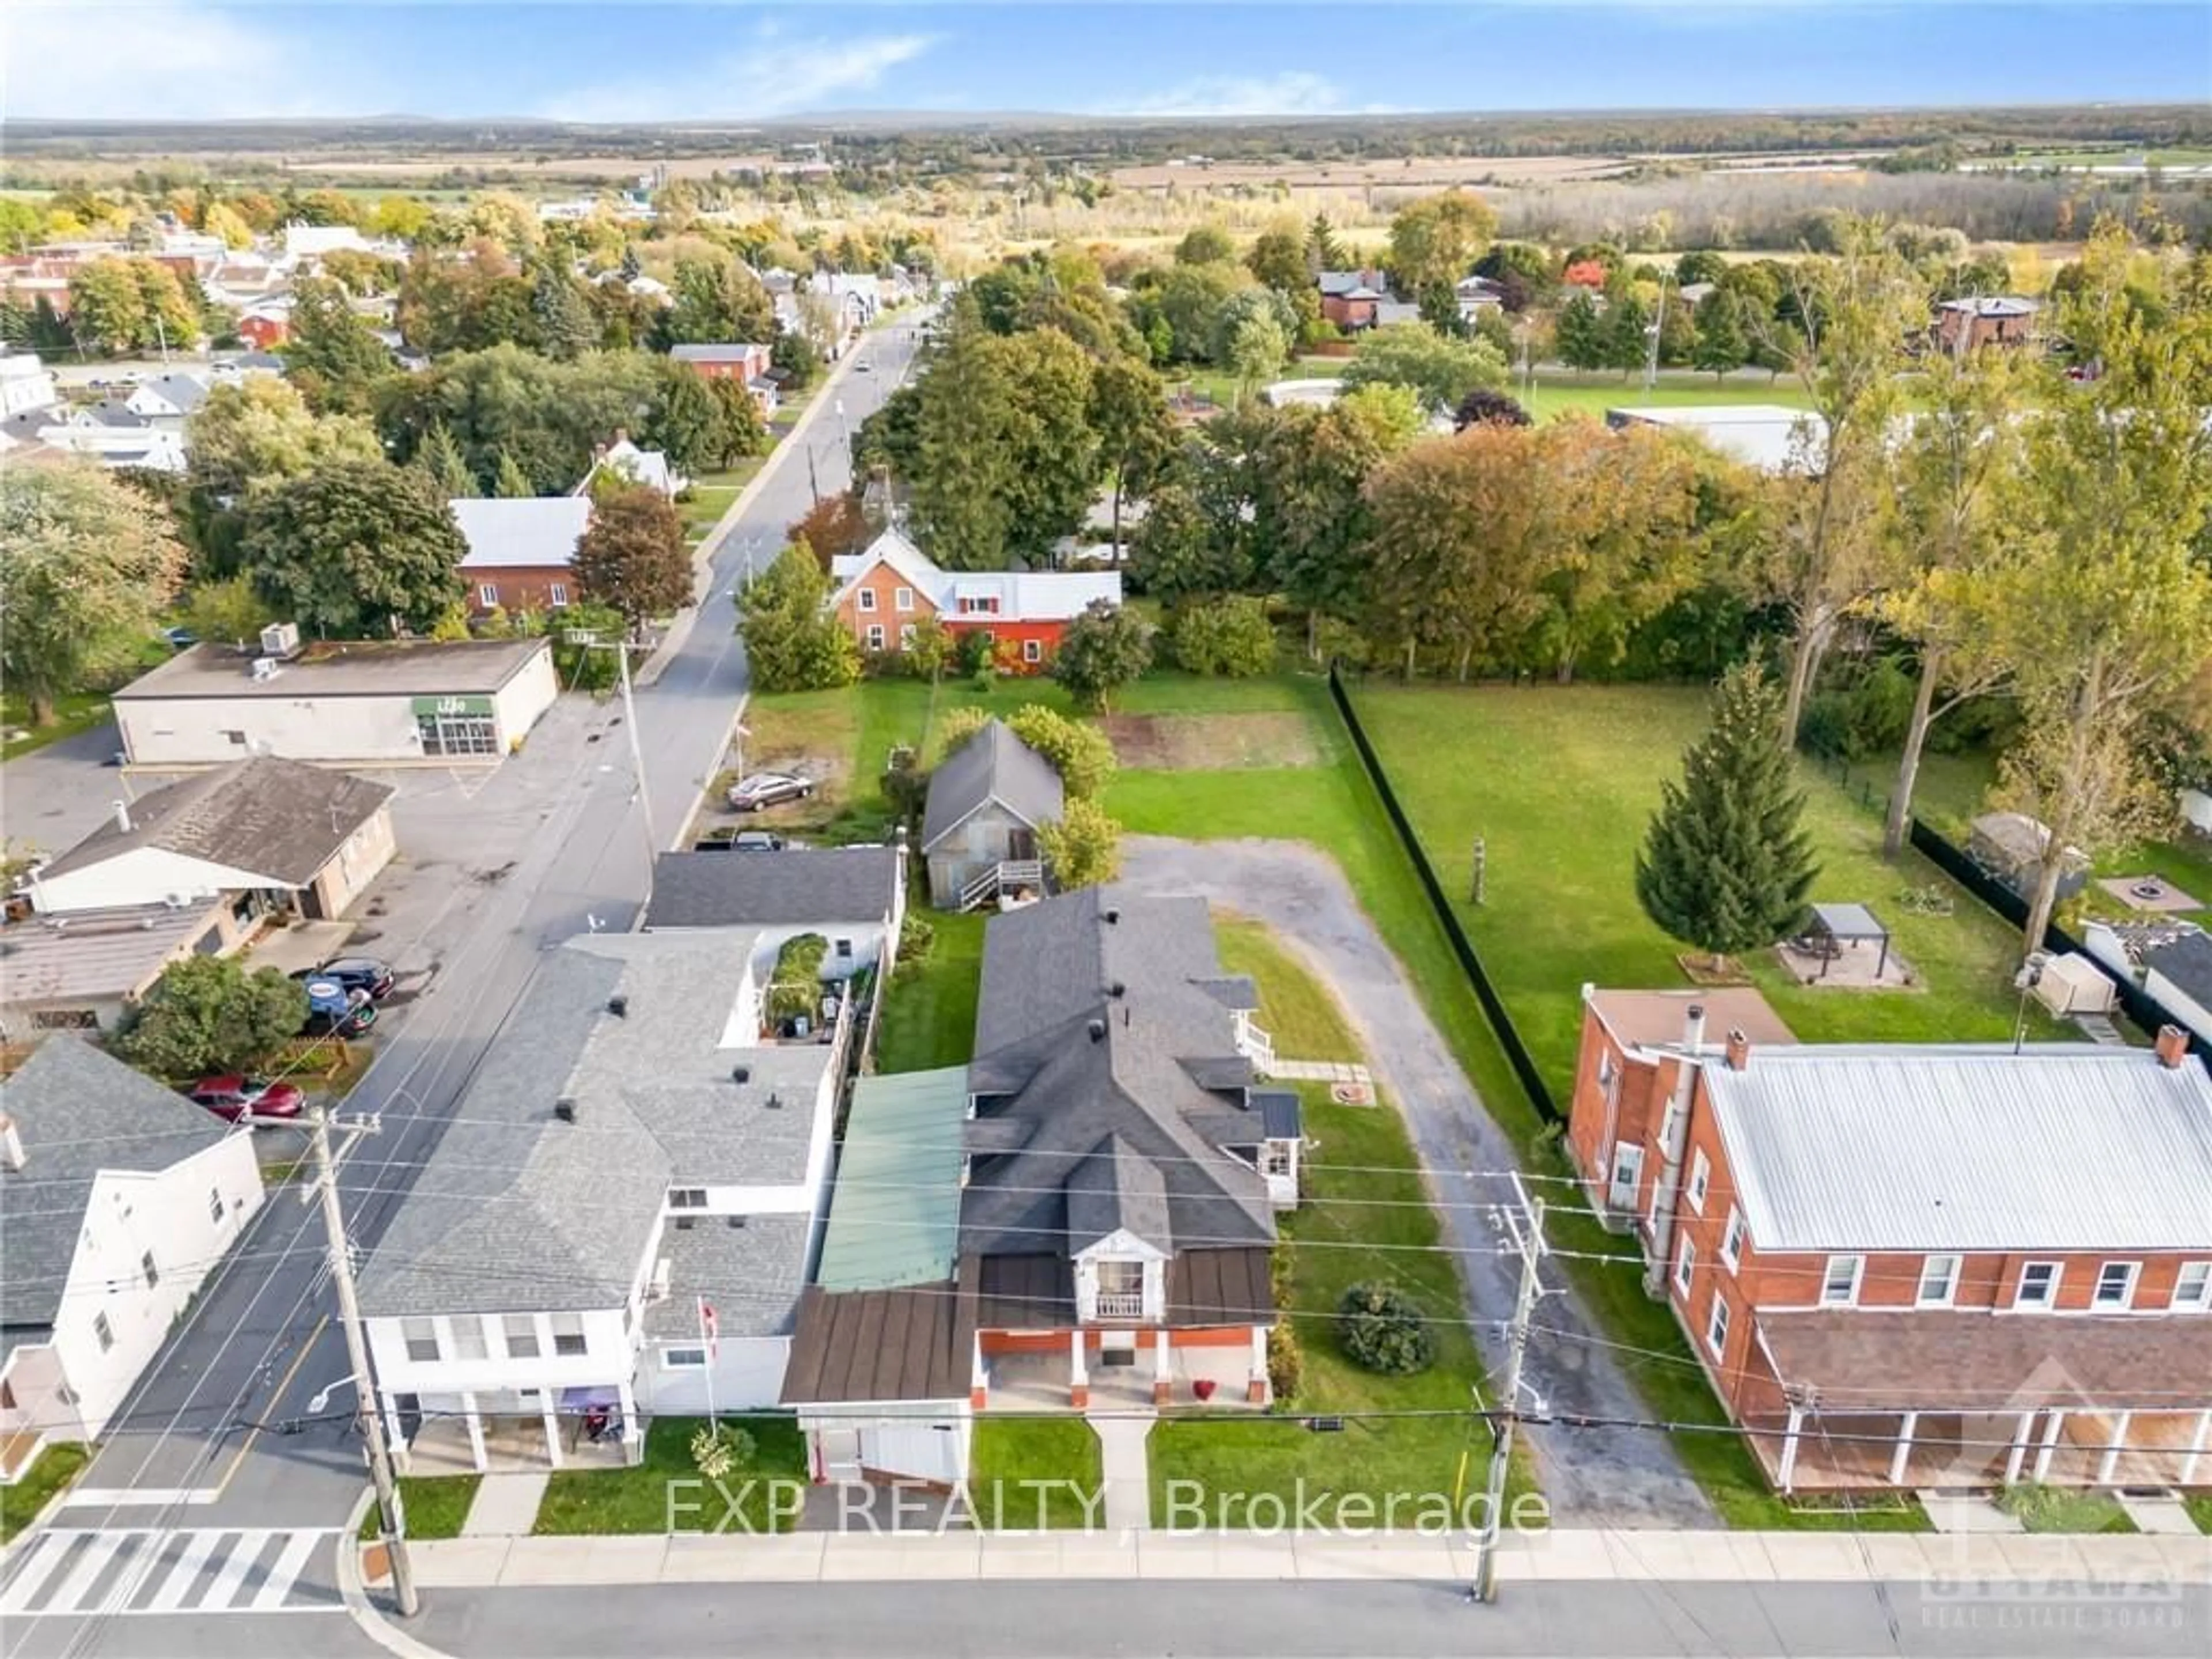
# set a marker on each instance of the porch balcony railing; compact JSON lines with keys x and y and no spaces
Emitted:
{"x":1121,"y":1305}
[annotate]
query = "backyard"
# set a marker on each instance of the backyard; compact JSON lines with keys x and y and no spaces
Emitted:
{"x":651,"y":1496}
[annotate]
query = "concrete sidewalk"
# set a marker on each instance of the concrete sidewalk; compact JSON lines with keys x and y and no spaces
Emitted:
{"x":1568,"y":1554}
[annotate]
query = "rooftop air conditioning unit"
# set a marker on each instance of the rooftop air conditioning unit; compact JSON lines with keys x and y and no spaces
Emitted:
{"x":280,"y":641}
{"x":263,"y":668}
{"x":661,"y":1271}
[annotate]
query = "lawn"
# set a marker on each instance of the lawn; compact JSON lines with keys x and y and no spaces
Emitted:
{"x":1364,"y":1215}
{"x":2062,"y":1509}
{"x":929,"y":1008}
{"x":55,"y":1467}
{"x":667,"y":1488}
{"x":432,"y":1506}
{"x":1019,"y":1463}
{"x":1561,"y":392}
{"x":2199,"y":1505}
{"x":77,"y":712}
{"x":1560,"y":782}
{"x":1295,"y":1009}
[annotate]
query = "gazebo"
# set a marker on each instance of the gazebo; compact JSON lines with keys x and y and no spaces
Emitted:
{"x":1835,"y":926}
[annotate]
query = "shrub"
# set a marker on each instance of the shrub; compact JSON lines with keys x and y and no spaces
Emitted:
{"x":917,"y":939}
{"x":1286,"y":1361}
{"x":1229,"y":637}
{"x":956,"y":726}
{"x":717,"y":1448}
{"x":1084,"y":849}
{"x":1381,"y":1330}
{"x":1081,"y":754}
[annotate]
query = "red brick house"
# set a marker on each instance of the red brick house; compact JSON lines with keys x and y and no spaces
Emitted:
{"x":1969,"y":325}
{"x":1350,"y":298}
{"x":1916,"y":1266}
{"x":882,"y":592}
{"x":737,"y":362}
{"x":266,"y":326}
{"x":520,"y":551}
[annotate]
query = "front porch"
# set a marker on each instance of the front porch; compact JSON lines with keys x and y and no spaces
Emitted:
{"x":474,"y":1439}
{"x":1105,"y":1370}
{"x":1955,"y":1451}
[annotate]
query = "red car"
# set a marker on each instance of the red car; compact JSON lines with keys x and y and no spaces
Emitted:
{"x":234,"y":1096}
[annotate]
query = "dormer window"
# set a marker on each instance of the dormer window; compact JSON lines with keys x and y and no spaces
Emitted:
{"x":1120,"y":1290}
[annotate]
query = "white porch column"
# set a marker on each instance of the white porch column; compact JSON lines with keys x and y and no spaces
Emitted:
{"x":1785,"y":1476}
{"x":2111,"y":1461}
{"x":2196,"y":1448}
{"x":475,"y":1424}
{"x":1162,"y":1369}
{"x":633,"y":1431}
{"x":1901,"y":1458}
{"x":403,"y":1454}
{"x":1078,"y":1377}
{"x":979,"y":1379}
{"x":1255,"y":1389}
{"x":2022,"y":1433}
{"x":2052,"y":1428}
{"x":552,"y":1434}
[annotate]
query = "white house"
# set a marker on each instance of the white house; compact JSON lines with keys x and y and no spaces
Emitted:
{"x":121,"y":1197}
{"x":313,"y":242}
{"x":623,"y":1212}
{"x":167,"y":398}
{"x":854,"y":896}
{"x":137,"y":443}
{"x":25,"y":383}
{"x":649,"y":468}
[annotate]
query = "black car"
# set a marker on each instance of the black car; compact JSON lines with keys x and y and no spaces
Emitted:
{"x":356,"y":974}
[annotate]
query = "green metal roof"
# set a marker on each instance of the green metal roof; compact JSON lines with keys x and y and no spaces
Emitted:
{"x":895,"y":1212}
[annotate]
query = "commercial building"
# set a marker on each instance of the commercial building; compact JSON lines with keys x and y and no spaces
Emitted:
{"x":365,"y":703}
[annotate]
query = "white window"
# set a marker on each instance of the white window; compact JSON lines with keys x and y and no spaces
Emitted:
{"x":421,"y":1337}
{"x":1686,"y":1264}
{"x":215,"y":1205}
{"x":1276,"y":1158}
{"x":903,"y":599}
{"x":469,"y":1338}
{"x":2038,"y":1284}
{"x":1939,"y":1281}
{"x":875,"y":636}
{"x":568,"y":1334}
{"x":1732,"y":1239}
{"x":1032,"y":651}
{"x":1701,"y":1179}
{"x":522,"y":1336}
{"x":2116,"y":1284}
{"x":868,"y":599}
{"x":1717,"y":1324}
{"x":687,"y":1197}
{"x":1839,"y":1284}
{"x":556,"y":593}
{"x":487,"y":595}
{"x":683,"y":1360}
{"x":2193,"y":1287}
{"x":104,"y":1331}
{"x":146,"y":1266}
{"x":1627,"y":1175}
{"x":845,"y":950}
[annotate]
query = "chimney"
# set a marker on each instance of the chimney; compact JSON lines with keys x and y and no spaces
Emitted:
{"x":618,"y":1006}
{"x":11,"y":1146}
{"x":1117,"y":990}
{"x":1113,"y":917}
{"x":2172,"y":1049}
{"x":565,"y":1109}
{"x":741,"y":1075}
{"x":1097,"y":1029}
{"x":1693,"y":1028}
{"x":123,"y":817}
{"x":1739,"y":1049}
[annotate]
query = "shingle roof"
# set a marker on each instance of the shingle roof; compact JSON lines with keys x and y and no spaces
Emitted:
{"x":2060,"y":1147}
{"x":751,"y":1275}
{"x":78,"y":1111}
{"x":2186,"y":961}
{"x":511,"y":534}
{"x":811,"y":884}
{"x":994,"y":765}
{"x":186,"y":391}
{"x":895,"y":1211}
{"x":1118,"y":1189}
{"x":94,"y":956}
{"x":280,"y":819}
{"x":1094,"y":1024}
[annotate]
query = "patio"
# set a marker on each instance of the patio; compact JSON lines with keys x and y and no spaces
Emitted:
{"x":1039,"y":1381}
{"x":1844,"y":945}
{"x":511,"y":1445}
{"x":2151,"y":894}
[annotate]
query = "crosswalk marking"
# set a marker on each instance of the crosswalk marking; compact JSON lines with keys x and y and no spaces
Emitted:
{"x":134,"y":1573}
{"x":171,"y":1596}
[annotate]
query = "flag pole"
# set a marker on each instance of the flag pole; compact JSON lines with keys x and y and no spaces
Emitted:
{"x":708,"y":1323}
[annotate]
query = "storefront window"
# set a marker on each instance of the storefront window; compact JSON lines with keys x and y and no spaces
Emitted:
{"x":458,"y":734}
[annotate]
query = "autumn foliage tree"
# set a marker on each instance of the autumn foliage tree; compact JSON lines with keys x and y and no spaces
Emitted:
{"x":632,"y":556}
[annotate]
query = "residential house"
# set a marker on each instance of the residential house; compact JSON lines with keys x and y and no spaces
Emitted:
{"x":1996,"y":319}
{"x":312,"y":242}
{"x":747,"y":362}
{"x":114,"y":435}
{"x":2179,"y":974}
{"x":266,"y":324}
{"x":165,"y":398}
{"x":854,"y":896}
{"x":26,"y":384}
{"x":519,"y":549}
{"x":884,"y":592}
{"x":988,"y":799}
{"x":623,"y":459}
{"x":1093,"y":1221}
{"x":1916,"y":1265}
{"x":1349,"y":298}
{"x":1476,"y":295}
{"x":121,"y":1197}
{"x":267,"y":834}
{"x":622,"y":1214}
{"x":84,"y":970}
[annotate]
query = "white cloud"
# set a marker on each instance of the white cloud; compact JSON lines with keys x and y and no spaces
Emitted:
{"x":168,"y":60}
{"x":774,"y":75}
{"x":1293,"y":92}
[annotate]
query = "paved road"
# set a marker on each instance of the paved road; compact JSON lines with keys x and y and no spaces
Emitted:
{"x":204,"y":1445}
{"x":1601,"y":1477}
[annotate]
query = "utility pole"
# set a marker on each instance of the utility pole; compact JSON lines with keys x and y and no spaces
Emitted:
{"x":590,"y":642}
{"x":391,"y":1522}
{"x":1525,"y":1227}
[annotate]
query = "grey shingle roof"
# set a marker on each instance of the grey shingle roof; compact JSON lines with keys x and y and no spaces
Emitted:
{"x":800,"y":885}
{"x":279,"y":818}
{"x":78,"y":1111}
{"x":2187,"y":961}
{"x":1094,"y":1017}
{"x":517,"y":1210}
{"x":751,"y":1275}
{"x":992,"y":765}
{"x":1118,"y":1189}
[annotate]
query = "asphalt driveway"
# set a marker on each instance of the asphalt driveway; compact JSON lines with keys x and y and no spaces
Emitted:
{"x":1594,"y":1477}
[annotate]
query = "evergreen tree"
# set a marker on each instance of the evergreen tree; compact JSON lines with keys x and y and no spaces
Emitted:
{"x":1721,"y":345}
{"x":441,"y":458}
{"x":565,"y":324}
{"x":1581,"y":335}
{"x":512,"y":482}
{"x":1628,"y":342}
{"x":1726,"y":865}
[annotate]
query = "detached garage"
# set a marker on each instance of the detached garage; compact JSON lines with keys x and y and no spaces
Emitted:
{"x":360,"y":702}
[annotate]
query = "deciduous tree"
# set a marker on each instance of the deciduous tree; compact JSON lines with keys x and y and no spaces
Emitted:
{"x":1084,"y":849}
{"x":632,"y":556}
{"x":1103,"y":650}
{"x":1435,"y":240}
{"x":1441,"y":370}
{"x":792,"y":642}
{"x":250,"y":437}
{"x":356,"y":549}
{"x":211,"y":1014}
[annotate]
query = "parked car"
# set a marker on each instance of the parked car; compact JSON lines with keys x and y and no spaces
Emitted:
{"x":181,"y":639}
{"x":334,"y":1010}
{"x":234,"y":1096}
{"x":758,"y":841}
{"x":354,"y":974}
{"x":768,"y":789}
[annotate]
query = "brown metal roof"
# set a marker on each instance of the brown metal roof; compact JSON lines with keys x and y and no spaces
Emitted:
{"x":1863,"y":1361}
{"x":915,"y":1343}
{"x":1205,"y":1287}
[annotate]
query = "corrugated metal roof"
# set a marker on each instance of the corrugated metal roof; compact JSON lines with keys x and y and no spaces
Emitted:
{"x":507,"y":533}
{"x":895,"y":1211}
{"x":1967,"y":1148}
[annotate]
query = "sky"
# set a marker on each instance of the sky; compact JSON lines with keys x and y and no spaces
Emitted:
{"x":607,"y":60}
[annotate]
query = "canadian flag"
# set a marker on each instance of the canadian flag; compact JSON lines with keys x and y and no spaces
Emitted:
{"x":710,"y":1327}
